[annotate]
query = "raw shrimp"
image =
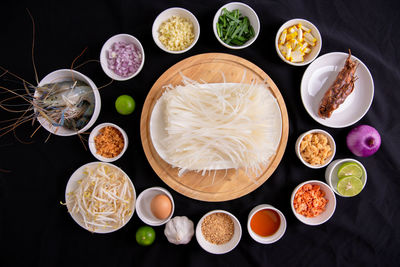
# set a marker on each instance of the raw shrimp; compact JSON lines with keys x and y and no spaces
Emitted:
{"x":67,"y":104}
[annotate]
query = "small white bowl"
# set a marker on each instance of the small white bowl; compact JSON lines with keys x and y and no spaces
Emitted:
{"x":73,"y":184}
{"x":331,"y":143}
{"x":67,"y":75}
{"x":143,"y":206}
{"x":267,"y":239}
{"x":331,"y":174}
{"x":308,"y":58}
{"x":224,"y":248}
{"x":95,"y":132}
{"x":167,"y":14}
{"x":329,"y":208}
{"x":246,"y":11}
{"x":127,"y":38}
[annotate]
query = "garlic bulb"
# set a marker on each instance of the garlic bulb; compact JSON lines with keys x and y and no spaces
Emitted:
{"x":179,"y":230}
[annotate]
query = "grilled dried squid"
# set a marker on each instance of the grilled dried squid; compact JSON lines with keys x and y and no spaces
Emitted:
{"x":341,"y":88}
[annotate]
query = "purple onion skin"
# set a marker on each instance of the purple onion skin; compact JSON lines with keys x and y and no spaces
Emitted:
{"x":363,"y":141}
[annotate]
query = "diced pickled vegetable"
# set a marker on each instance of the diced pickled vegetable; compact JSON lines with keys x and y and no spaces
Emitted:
{"x":295,"y":42}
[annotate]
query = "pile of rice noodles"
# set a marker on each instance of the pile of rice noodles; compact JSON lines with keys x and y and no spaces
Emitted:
{"x":219,"y":126}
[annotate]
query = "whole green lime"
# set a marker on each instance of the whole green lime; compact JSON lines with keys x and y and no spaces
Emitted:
{"x":145,"y":236}
{"x":125,"y":104}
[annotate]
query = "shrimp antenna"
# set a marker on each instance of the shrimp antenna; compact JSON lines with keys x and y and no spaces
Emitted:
{"x":87,"y":61}
{"x":75,"y":59}
{"x":33,"y":45}
{"x":4,"y":73}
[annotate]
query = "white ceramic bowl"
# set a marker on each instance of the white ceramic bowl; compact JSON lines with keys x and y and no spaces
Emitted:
{"x":73,"y":184}
{"x":320,"y":75}
{"x":331,"y":173}
{"x":224,"y":248}
{"x":267,"y":239}
{"x":329,"y":208}
{"x":167,"y":14}
{"x":246,"y":11}
{"x":331,"y":143}
{"x":123,"y":37}
{"x":143,"y":206}
{"x":95,"y":132}
{"x":308,"y":58}
{"x":67,"y":75}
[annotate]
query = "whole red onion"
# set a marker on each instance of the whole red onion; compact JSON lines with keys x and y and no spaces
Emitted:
{"x":363,"y":140}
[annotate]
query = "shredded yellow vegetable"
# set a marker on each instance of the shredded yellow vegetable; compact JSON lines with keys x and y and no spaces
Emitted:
{"x":103,"y":199}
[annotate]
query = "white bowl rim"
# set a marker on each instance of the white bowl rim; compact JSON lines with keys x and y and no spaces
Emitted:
{"x":249,"y":42}
{"x":193,"y":20}
{"x":331,"y":167}
{"x":92,"y":147}
{"x":265,"y":240}
{"x":143,"y":217}
{"x":107,"y":44}
{"x":233,"y":217}
{"x":97,"y":105}
{"x":277,"y":38}
{"x":69,"y":185}
{"x":301,"y":217}
{"x":297,"y":148}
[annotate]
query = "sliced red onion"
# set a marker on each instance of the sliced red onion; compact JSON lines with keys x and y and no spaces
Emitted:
{"x":124,"y":59}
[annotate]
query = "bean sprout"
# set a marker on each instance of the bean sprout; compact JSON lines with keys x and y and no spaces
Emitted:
{"x":104,"y":198}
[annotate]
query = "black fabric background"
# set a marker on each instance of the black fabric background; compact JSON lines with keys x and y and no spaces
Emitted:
{"x":35,"y":230}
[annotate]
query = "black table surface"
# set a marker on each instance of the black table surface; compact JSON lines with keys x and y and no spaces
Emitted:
{"x":36,"y":230}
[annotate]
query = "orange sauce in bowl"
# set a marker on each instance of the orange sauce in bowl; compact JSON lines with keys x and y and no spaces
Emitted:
{"x":265,"y":222}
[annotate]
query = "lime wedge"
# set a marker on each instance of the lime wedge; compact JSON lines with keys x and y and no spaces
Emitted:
{"x":350,"y":169}
{"x":349,"y":186}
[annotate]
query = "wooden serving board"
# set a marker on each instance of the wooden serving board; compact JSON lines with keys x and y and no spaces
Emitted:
{"x":223,"y":184}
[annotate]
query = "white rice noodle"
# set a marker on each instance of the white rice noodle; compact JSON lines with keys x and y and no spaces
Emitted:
{"x":213,"y":125}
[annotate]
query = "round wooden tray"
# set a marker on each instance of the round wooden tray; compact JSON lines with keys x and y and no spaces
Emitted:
{"x":223,"y":184}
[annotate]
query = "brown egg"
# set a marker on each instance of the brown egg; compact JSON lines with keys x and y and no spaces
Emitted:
{"x":161,"y":206}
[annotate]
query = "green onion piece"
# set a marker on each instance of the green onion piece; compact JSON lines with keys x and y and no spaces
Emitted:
{"x":233,"y":28}
{"x":233,"y":18}
{"x":219,"y":30}
{"x":236,"y":31}
{"x":251,"y":31}
{"x":237,"y":42}
{"x":227,"y":32}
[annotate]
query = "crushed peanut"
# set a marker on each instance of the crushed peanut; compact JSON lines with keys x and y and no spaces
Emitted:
{"x":315,"y":148}
{"x":109,"y":142}
{"x":218,"y":228}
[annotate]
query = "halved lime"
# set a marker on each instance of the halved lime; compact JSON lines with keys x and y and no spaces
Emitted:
{"x":349,"y":186}
{"x":350,"y":169}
